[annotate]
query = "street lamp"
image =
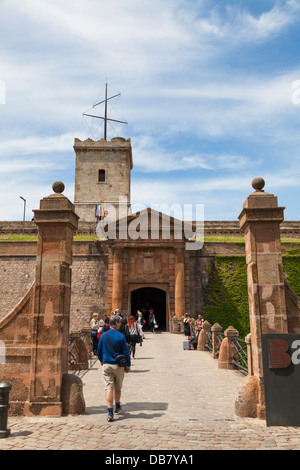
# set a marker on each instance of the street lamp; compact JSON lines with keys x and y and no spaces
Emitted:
{"x":23,"y":213}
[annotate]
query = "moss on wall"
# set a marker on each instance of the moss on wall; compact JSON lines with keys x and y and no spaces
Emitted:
{"x":291,"y":268}
{"x":227,"y":292}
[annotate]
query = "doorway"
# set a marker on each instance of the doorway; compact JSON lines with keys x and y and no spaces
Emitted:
{"x":145,"y":298}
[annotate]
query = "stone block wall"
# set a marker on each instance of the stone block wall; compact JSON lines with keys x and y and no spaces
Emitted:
{"x":115,"y":158}
{"x":288,"y":229}
{"x":89,"y":283}
{"x":16,"y":276}
{"x":17,"y":329}
{"x":89,"y":279}
{"x":90,"y":276}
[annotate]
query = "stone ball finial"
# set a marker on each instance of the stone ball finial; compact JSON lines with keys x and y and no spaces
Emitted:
{"x":58,"y":187}
{"x":258,"y":184}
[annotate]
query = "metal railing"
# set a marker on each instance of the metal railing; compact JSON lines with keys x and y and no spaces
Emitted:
{"x":78,"y":349}
{"x":72,"y":362}
{"x":208,"y":340}
{"x":220,"y":337}
{"x":212,"y":342}
{"x":240,"y":358}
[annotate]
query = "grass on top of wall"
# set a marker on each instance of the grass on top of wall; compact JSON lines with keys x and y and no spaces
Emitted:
{"x":209,"y":238}
{"x":33,"y":238}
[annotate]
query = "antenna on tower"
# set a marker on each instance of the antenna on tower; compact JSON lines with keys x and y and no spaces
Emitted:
{"x":105,"y":118}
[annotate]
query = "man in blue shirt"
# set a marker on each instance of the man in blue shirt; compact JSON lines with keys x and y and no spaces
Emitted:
{"x":112,"y":373}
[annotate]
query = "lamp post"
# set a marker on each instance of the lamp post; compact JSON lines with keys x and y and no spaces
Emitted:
{"x":23,"y":213}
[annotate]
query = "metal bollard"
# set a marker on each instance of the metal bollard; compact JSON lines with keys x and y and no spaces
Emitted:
{"x":4,"y":406}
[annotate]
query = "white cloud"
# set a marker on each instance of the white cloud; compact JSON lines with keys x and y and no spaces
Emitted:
{"x":151,"y":156}
{"x":148,"y":49}
{"x":175,"y":65}
{"x":222,"y":197}
{"x":36,"y":144}
{"x":240,"y":27}
{"x":143,"y":39}
{"x":12,"y":208}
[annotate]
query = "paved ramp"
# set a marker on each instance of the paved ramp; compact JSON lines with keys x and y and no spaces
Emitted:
{"x":172,"y":400}
{"x":168,"y":384}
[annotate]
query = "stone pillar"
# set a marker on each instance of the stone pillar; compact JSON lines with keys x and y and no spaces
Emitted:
{"x":181,"y":327}
{"x":56,"y":221}
{"x":216,"y":330}
{"x":203,"y":336}
{"x":260,"y":220}
{"x":117,"y":291}
{"x":227,"y":350}
{"x":179,"y":284}
{"x":175,"y":325}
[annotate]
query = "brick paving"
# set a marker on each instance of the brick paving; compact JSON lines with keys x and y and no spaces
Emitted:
{"x":172,"y":400}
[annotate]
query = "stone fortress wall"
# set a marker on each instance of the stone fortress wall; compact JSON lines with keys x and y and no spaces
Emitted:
{"x":90,"y":270}
{"x":288,"y":229}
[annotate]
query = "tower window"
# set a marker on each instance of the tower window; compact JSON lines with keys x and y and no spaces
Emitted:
{"x":101,"y":176}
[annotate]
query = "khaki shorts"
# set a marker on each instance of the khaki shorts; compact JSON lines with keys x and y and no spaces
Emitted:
{"x":113,"y":376}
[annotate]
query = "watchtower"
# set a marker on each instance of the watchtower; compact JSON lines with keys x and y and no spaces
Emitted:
{"x":102,"y":175}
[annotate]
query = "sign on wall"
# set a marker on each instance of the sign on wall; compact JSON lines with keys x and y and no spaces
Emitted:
{"x":281,"y":366}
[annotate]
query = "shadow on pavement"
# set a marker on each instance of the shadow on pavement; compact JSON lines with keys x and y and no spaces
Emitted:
{"x":133,"y":410}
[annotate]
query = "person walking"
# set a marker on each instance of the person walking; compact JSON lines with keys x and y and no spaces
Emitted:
{"x":106,"y":325}
{"x":113,"y":374}
{"x":134,"y":334}
{"x":152,"y":321}
{"x":141,"y":322}
{"x":124,"y":329}
{"x":94,"y":325}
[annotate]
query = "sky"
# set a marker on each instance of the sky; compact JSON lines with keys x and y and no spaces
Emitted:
{"x":210,"y":91}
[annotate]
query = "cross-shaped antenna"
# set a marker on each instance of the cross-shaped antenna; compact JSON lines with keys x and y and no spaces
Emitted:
{"x":105,"y":118}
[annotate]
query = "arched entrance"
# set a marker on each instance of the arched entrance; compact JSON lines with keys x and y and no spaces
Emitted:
{"x":150,"y":297}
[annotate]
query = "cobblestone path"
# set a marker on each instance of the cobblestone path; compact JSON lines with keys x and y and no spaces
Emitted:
{"x":172,"y":400}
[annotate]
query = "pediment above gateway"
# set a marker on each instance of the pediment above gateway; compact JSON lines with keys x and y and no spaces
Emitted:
{"x":149,"y":224}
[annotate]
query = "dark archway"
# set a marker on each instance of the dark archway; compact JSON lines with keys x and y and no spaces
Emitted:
{"x":150,"y":297}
